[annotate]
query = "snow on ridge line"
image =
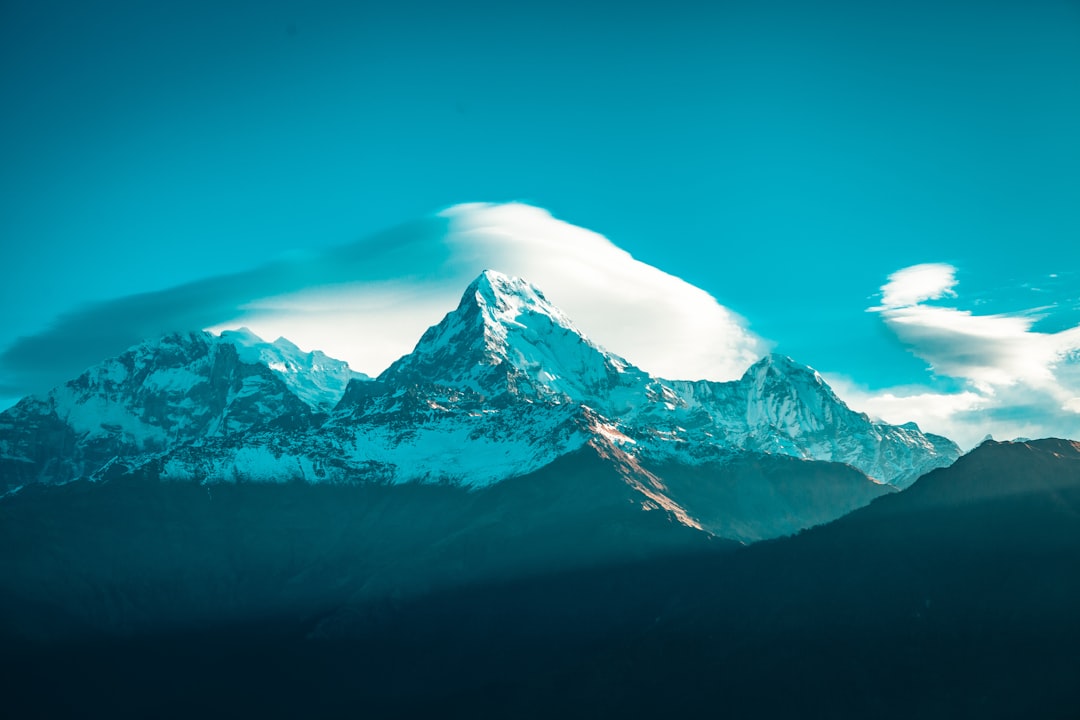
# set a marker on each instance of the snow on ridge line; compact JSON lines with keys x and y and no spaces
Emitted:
{"x":316,"y":378}
{"x":788,"y":406}
{"x":449,"y":451}
{"x":505,"y":340}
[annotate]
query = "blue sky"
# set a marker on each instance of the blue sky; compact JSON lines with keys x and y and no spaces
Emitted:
{"x":785,"y":157}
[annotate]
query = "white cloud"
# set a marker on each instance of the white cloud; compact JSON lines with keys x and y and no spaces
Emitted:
{"x":1018,"y":380}
{"x":935,"y":412}
{"x":917,"y":283}
{"x":657,"y":321}
{"x":925,"y":408}
{"x":988,"y":350}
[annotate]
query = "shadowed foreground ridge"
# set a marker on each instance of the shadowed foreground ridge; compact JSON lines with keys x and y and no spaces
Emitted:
{"x":955,"y":598}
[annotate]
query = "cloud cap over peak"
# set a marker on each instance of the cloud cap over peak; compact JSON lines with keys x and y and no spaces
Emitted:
{"x":659,"y":322}
{"x":369,"y":301}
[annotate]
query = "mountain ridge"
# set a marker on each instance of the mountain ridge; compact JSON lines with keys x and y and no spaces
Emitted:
{"x":502,"y":386}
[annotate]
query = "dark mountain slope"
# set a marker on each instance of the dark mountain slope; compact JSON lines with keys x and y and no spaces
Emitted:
{"x":751,"y":496}
{"x":135,"y":554}
{"x":956,"y":598}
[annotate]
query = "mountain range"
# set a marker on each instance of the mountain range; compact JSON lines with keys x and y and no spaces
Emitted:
{"x":502,"y":387}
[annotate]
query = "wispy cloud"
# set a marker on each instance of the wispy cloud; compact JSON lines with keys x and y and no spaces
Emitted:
{"x":1017,"y":380}
{"x":368,"y":302}
{"x":89,"y":334}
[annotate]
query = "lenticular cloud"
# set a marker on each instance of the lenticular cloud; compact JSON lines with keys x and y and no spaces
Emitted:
{"x":657,"y":321}
{"x":368,"y":302}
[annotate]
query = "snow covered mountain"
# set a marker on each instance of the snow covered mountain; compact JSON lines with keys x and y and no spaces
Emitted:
{"x":505,"y":338}
{"x":790,"y":410}
{"x":161,"y":394}
{"x":503,"y":386}
{"x":506,"y":341}
{"x":313,"y":377}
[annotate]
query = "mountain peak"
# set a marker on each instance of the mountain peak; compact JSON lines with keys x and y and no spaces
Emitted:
{"x":775,"y":371}
{"x":286,"y":345}
{"x":493,"y":281}
{"x":503,"y":298}
{"x":506,"y":336}
{"x":782,"y":365}
{"x":785,"y":394}
{"x":241,"y":336}
{"x":314,"y":377}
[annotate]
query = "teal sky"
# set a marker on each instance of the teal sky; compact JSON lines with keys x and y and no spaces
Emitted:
{"x":785,"y":157}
